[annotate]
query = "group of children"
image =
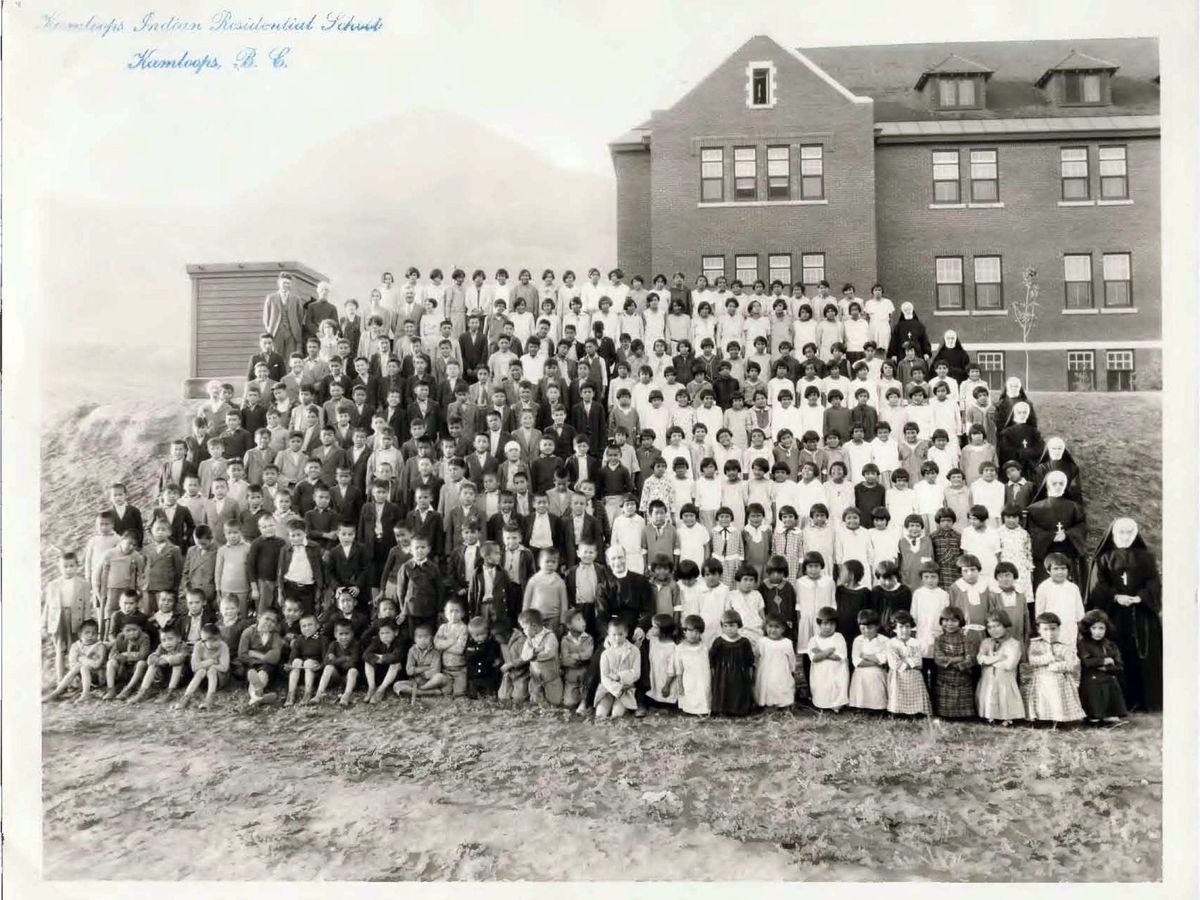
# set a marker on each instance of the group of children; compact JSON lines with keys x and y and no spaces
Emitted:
{"x":843,"y":532}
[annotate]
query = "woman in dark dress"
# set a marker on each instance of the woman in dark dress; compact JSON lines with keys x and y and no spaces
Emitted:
{"x":1012,"y":394}
{"x":908,"y":328}
{"x":1124,"y":582}
{"x":1020,"y":440}
{"x":1057,"y":458}
{"x":1056,"y":524}
{"x":953,"y":355}
{"x":731,"y":658}
{"x":849,"y":598}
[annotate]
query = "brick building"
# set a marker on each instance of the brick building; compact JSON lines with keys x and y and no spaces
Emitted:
{"x":942,"y":171}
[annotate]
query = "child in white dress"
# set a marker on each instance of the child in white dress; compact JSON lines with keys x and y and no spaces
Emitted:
{"x":691,"y":673}
{"x":774,"y":673}
{"x":829,"y":673}
{"x":662,"y":659}
{"x":628,"y":530}
{"x":1061,"y":597}
{"x":868,"y":684}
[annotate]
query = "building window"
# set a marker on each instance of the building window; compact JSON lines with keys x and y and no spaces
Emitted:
{"x":949,"y":282}
{"x":1120,"y":370}
{"x":1081,"y":370}
{"x":760,"y":85}
{"x":1075,"y":173}
{"x":713,"y":268}
{"x":957,"y":93}
{"x":712,"y":175}
{"x":779,"y":268}
{"x":1118,"y":283}
{"x":985,"y":176}
{"x":945,"y":176}
{"x":988,"y":291}
{"x":746,"y":268}
{"x":1082,"y":88}
{"x":779,"y":173}
{"x":991,"y":367}
{"x":812,"y":172}
{"x":812,"y":270}
{"x":745,"y":173}
{"x":1114,"y":178}
{"x":1077,"y":273}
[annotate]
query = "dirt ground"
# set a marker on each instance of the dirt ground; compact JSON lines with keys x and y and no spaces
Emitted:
{"x":466,"y":790}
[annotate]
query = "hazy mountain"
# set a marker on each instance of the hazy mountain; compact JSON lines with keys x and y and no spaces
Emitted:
{"x":428,"y":188}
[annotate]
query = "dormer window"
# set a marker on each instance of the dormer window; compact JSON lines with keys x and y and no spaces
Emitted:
{"x":955,"y":83}
{"x":1079,"y":80}
{"x":760,"y":85}
{"x":957,"y":93}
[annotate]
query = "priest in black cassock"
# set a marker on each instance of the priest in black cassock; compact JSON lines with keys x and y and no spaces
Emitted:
{"x":1123,"y":582}
{"x":1021,"y":440}
{"x":1056,"y":524}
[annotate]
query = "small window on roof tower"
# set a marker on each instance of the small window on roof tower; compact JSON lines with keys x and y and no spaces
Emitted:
{"x":761,"y":87}
{"x":760,"y":84}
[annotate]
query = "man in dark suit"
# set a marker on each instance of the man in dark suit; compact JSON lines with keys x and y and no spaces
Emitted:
{"x":495,"y":432}
{"x":543,"y":531}
{"x":317,"y":311}
{"x":472,"y":346}
{"x":359,"y":457}
{"x":329,"y":454}
{"x":276,"y":367}
{"x":347,"y":564}
{"x":579,"y":527}
{"x":283,"y":317}
{"x":376,"y":528}
{"x":125,"y":516}
{"x":481,"y":461}
{"x":422,"y":407}
{"x":361,"y":411}
{"x":587,"y":417}
{"x":345,"y":497}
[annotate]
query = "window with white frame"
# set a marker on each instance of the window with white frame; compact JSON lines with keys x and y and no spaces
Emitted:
{"x":713,"y":267}
{"x":1081,"y":370}
{"x":985,"y":176}
{"x":988,"y":291}
{"x":760,"y":85}
{"x":1118,"y":281}
{"x":812,"y":172}
{"x":1074,"y":167}
{"x":1114,"y":175}
{"x":949,"y":272}
{"x":812,"y":269}
{"x":712,"y":174}
{"x":957,"y":92}
{"x":1082,"y":87}
{"x":1077,"y":277}
{"x":746,"y":268}
{"x":779,"y":173}
{"x":745,"y":173}
{"x":945,"y":176}
{"x":991,"y":367}
{"x":779,"y":268}
{"x":1120,"y":370}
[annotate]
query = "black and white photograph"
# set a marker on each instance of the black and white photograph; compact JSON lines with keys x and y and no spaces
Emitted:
{"x":546,"y":442}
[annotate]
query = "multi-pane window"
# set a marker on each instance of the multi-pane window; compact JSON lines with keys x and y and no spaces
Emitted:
{"x":945,"y":176}
{"x":985,"y":176}
{"x":779,"y":268}
{"x":1074,"y":162}
{"x":746,"y":267}
{"x":956,"y":93}
{"x":712,"y":174}
{"x":779,"y":173}
{"x":812,"y":172}
{"x":1119,"y":366}
{"x":949,"y":282}
{"x":1117,"y":269}
{"x":745,"y":173}
{"x":812,"y":269}
{"x":713,"y":267}
{"x":1081,"y":370}
{"x":991,"y":367}
{"x":1077,"y":274}
{"x":988,"y":291}
{"x":1114,"y":177}
{"x":1081,"y":87}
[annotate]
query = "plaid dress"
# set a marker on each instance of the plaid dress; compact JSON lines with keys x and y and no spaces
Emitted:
{"x":1052,"y":694}
{"x":788,"y":543}
{"x":906,"y":686}
{"x":954,"y":689}
{"x":947,"y":547}
{"x":727,"y":547}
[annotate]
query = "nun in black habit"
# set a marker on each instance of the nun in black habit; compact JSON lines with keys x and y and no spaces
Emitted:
{"x":951,"y":352}
{"x":1056,"y":524}
{"x":1057,"y":458}
{"x":1123,"y":581}
{"x":908,"y":328}
{"x":1013,"y":394}
{"x":1021,"y":441}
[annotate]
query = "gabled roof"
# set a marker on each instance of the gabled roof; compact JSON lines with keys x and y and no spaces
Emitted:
{"x":1077,"y":62}
{"x":887,"y":73}
{"x":954,"y":65}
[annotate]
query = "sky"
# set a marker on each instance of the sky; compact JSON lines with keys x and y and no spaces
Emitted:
{"x":561,"y":77}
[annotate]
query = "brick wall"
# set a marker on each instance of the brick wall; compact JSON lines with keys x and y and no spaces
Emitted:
{"x":1031,"y":230}
{"x":633,"y":212}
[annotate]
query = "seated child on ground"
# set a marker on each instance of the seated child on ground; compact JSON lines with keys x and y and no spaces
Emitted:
{"x":85,"y":661}
{"x":620,"y":669}
{"x":341,"y":663}
{"x":382,"y":659}
{"x":126,"y":660}
{"x":541,"y":652}
{"x":165,"y":664}
{"x":575,"y":655}
{"x":424,"y":668}
{"x":450,"y":640}
{"x":483,"y":660}
{"x":210,"y":666}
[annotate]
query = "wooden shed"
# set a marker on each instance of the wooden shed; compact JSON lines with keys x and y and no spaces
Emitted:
{"x":227,"y":308}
